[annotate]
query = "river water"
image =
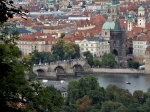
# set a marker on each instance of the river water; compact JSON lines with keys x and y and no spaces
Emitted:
{"x":138,"y":81}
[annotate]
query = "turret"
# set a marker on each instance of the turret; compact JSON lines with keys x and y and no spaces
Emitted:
{"x":141,"y":17}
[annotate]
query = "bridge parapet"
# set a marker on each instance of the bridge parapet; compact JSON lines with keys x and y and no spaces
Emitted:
{"x":65,"y":66}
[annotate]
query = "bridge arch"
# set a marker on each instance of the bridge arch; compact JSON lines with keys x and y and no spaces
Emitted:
{"x":59,"y":69}
{"x":78,"y":67}
{"x":40,"y":72}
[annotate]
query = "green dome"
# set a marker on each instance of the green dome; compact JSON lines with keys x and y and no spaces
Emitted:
{"x":141,"y":8}
{"x":108,"y":25}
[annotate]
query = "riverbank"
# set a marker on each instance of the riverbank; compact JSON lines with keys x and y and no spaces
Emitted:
{"x":117,"y":71}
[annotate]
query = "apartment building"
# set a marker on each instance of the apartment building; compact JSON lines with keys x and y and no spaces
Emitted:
{"x":139,"y":46}
{"x":28,"y":43}
{"x":95,"y":45}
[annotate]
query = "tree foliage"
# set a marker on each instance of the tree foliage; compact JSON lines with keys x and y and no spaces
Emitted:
{"x":133,"y":64}
{"x":65,"y":50}
{"x":43,"y":57}
{"x":110,"y":106}
{"x":83,"y":104}
{"x":89,"y":57}
{"x":108,"y":60}
{"x":8,"y":9}
{"x":86,"y":85}
{"x":16,"y":88}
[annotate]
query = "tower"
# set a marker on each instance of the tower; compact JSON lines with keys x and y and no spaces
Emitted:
{"x":117,"y":41}
{"x":141,"y":17}
{"x":147,"y":60}
{"x":130,"y":20}
{"x":107,"y":26}
{"x":113,"y":8}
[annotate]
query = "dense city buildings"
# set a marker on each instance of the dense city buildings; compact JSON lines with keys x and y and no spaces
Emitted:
{"x":99,"y":26}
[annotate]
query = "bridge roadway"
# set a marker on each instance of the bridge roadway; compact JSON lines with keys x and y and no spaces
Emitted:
{"x":62,"y":68}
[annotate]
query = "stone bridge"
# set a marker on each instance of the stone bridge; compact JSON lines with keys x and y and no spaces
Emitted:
{"x":62,"y":68}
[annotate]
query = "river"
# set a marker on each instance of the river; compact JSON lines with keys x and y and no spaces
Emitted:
{"x":138,"y":81}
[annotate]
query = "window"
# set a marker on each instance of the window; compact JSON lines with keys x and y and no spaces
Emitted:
{"x":105,"y":33}
{"x":86,"y":48}
{"x":86,"y":44}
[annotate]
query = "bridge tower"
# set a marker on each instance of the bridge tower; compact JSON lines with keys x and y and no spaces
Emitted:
{"x":147,"y":61}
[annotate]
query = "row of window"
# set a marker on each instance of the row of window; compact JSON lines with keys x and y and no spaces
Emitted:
{"x":136,"y":46}
{"x":135,"y":42}
{"x":104,"y":47}
{"x":139,"y":51}
{"x":43,"y":42}
{"x":94,"y":44}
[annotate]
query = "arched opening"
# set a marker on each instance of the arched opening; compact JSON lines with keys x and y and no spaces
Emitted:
{"x":78,"y":68}
{"x":130,"y":50}
{"x":115,"y":52}
{"x":129,"y":59}
{"x":41,"y":72}
{"x":59,"y":70}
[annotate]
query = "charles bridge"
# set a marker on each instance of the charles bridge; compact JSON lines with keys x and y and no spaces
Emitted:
{"x":62,"y":68}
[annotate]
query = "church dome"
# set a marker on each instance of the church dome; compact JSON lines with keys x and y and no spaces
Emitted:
{"x":109,"y":24}
{"x":141,"y":8}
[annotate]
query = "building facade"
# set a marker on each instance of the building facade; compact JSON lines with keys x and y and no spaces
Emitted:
{"x":95,"y":45}
{"x":28,"y":43}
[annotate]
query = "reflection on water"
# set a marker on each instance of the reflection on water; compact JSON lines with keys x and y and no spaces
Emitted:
{"x":138,"y":81}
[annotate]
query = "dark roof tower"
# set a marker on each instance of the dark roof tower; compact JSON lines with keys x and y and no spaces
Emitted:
{"x":117,"y":25}
{"x":69,"y":6}
{"x":83,"y":4}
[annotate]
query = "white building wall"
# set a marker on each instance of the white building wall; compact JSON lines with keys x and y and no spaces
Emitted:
{"x":96,"y":48}
{"x":139,"y":48}
{"x":141,"y":19}
{"x":130,"y":26}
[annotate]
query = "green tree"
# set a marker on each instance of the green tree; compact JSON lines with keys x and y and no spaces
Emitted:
{"x":69,"y":50}
{"x":96,"y":62}
{"x":45,"y":99}
{"x":108,"y":60}
{"x":133,"y":64}
{"x":65,"y":50}
{"x":86,"y":85}
{"x":138,"y":96}
{"x":57,"y":49}
{"x":43,"y":57}
{"x":114,"y":93}
{"x":89,"y":58}
{"x":110,"y":106}
{"x":62,"y":35}
{"x":77,"y":51}
{"x":8,"y":9}
{"x":16,"y":87}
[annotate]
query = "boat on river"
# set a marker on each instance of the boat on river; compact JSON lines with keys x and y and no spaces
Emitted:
{"x":128,"y":82}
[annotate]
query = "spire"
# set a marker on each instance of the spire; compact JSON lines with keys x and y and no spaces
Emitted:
{"x":69,"y":6}
{"x":83,"y":4}
{"x":117,"y":24}
{"x":123,"y":28}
